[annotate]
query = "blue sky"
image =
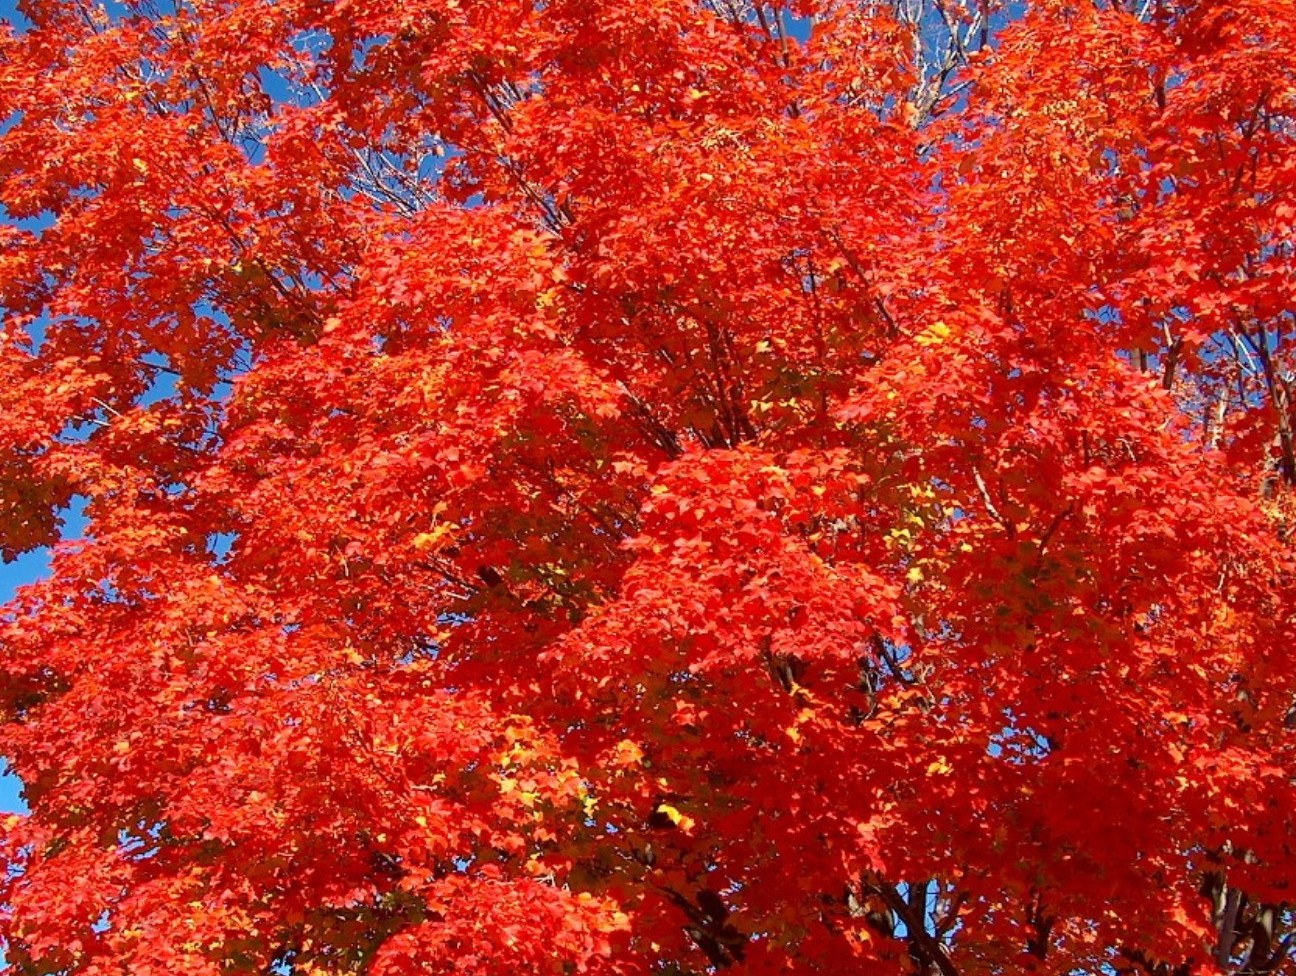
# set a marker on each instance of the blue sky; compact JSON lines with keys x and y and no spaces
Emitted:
{"x":12,"y":575}
{"x":27,"y":568}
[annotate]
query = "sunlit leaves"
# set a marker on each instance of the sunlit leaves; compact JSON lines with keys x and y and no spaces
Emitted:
{"x":648,"y":487}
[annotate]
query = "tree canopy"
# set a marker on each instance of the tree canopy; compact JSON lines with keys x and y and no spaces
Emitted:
{"x":649,"y":487}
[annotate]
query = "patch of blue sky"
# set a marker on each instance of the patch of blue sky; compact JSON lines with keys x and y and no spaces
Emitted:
{"x":799,"y":28}
{"x":28,"y":568}
{"x":10,"y":14}
{"x":11,"y":800}
{"x":219,"y":544}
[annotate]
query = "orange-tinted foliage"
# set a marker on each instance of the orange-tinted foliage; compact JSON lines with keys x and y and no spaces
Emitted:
{"x":650,"y":486}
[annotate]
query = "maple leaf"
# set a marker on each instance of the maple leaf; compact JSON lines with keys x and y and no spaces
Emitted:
{"x":651,"y":487}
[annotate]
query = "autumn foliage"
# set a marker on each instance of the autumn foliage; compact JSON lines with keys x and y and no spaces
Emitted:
{"x":649,"y":487}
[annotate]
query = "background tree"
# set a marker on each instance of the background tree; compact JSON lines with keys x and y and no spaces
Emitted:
{"x":649,"y":487}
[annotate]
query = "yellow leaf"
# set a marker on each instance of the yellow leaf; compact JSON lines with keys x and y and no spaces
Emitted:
{"x":681,"y":821}
{"x":439,"y":534}
{"x":934,"y":334}
{"x":628,"y":753}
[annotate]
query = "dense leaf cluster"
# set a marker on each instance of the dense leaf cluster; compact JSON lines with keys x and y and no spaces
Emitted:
{"x":649,"y":486}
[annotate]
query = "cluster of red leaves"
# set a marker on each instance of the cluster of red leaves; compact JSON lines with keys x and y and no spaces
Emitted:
{"x":649,"y":487}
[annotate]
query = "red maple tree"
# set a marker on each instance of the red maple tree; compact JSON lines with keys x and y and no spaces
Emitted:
{"x":649,"y":486}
